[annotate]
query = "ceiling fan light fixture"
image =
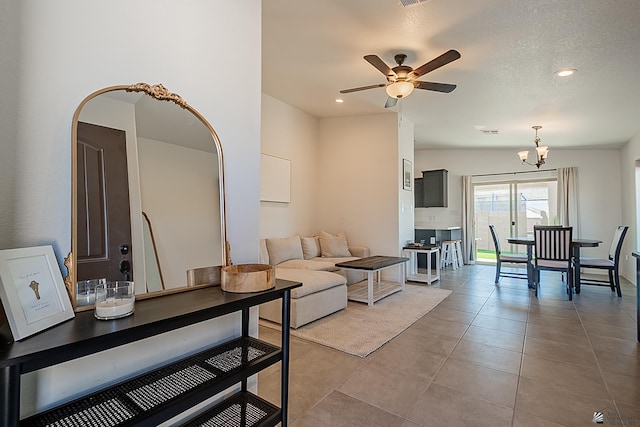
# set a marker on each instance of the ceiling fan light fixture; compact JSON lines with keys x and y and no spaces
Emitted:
{"x":401,"y":79}
{"x":399,"y":89}
{"x":565,"y":72}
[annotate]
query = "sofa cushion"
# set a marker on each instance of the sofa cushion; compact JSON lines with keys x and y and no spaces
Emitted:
{"x":312,"y":281}
{"x":264,"y":253}
{"x":283,"y":249}
{"x":317,"y":264}
{"x":310,"y":247}
{"x":334,"y":245}
{"x":334,"y":261}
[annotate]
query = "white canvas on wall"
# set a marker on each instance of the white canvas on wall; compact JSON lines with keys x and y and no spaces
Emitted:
{"x":275,"y":179}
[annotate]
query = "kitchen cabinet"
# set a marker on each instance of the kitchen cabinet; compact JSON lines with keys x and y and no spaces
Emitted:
{"x":417,"y":193}
{"x":435,"y":188}
{"x":435,"y":237}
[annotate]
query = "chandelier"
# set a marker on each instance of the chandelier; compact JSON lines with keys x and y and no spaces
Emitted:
{"x":542,"y":151}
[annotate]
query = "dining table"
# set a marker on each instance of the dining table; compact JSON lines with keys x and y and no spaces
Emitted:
{"x":576,"y":244}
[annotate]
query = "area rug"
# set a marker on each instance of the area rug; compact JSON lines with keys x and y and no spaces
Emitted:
{"x":360,"y":329}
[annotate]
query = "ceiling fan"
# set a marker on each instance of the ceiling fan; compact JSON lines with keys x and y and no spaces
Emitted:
{"x":402,"y":79}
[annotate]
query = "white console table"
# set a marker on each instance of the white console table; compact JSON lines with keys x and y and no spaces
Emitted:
{"x":412,"y":266}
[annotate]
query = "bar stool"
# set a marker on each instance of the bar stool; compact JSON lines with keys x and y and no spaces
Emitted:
{"x":458,"y":252}
{"x":451,"y":254}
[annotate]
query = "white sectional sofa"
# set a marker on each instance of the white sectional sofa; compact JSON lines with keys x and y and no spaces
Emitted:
{"x":311,"y":261}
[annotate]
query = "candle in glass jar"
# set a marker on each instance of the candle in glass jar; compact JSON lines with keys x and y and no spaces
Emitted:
{"x":85,"y":299}
{"x":114,"y":308}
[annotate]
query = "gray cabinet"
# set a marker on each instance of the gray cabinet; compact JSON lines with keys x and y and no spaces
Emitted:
{"x":435,"y":189}
{"x":417,"y":193}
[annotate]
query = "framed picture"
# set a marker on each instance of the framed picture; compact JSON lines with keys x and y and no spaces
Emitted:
{"x":275,"y":179}
{"x":32,"y":291}
{"x":407,"y":173}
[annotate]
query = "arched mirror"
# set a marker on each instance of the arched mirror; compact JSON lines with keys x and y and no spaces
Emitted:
{"x":148,"y":194}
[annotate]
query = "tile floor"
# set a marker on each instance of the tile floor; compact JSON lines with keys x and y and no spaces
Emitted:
{"x":486,"y":356}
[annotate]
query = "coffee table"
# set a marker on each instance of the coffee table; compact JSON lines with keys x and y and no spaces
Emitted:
{"x":376,"y":289}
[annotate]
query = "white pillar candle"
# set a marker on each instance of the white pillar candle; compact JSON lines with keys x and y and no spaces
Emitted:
{"x":114,"y":308}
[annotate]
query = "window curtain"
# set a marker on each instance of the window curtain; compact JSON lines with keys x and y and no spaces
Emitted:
{"x":568,"y":214}
{"x":468,"y":223}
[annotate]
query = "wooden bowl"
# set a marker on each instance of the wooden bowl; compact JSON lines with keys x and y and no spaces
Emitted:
{"x":244,"y":278}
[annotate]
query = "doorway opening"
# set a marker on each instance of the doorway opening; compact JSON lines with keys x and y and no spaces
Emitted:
{"x":513,"y":206}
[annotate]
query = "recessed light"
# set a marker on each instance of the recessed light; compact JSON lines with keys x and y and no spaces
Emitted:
{"x":566,"y":72}
{"x":339,"y":101}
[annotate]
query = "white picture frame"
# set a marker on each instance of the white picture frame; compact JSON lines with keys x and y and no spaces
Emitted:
{"x":275,"y":179}
{"x":32,"y":290}
{"x":407,"y":174}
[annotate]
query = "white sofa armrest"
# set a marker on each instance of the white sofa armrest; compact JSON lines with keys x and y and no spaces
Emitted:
{"x":359,"y":251}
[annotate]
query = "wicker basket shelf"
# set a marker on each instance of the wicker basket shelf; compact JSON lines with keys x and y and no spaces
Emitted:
{"x":242,"y":409}
{"x":137,"y":399}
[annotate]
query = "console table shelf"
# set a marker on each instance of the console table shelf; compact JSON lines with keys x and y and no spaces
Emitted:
{"x":241,"y":409}
{"x":163,"y":393}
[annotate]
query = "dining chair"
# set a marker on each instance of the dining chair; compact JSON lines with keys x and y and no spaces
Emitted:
{"x":504,"y":258}
{"x":611,"y":263}
{"x":553,"y":252}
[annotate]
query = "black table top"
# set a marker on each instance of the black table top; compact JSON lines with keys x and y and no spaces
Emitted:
{"x":528,"y":240}
{"x":84,"y":334}
{"x":423,"y":247}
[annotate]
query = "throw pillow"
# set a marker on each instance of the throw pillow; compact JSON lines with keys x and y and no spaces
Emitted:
{"x":334,"y":245}
{"x":284,"y":249}
{"x":310,"y":247}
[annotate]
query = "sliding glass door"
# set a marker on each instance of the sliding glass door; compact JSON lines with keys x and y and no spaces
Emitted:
{"x":513,"y":207}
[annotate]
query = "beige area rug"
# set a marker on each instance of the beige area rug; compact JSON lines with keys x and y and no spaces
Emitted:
{"x":360,"y":329}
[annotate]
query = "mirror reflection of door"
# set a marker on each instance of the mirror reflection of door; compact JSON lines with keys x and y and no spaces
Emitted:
{"x":104,"y":229}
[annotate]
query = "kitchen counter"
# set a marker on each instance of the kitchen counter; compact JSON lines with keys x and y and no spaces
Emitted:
{"x":433,"y":236}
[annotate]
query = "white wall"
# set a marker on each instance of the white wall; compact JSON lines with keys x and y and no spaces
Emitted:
{"x":181,"y":245}
{"x":629,"y":158}
{"x":9,"y":111}
{"x":59,"y":52}
{"x":291,"y":134}
{"x":599,"y":186}
{"x":345,"y":175}
{"x":406,"y":200}
{"x":359,"y":180}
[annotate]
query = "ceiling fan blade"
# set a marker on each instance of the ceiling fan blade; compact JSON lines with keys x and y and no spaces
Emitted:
{"x":379,"y":64}
{"x":444,"y":59}
{"x":391,"y":102}
{"x":438,"y":87}
{"x":355,"y":89}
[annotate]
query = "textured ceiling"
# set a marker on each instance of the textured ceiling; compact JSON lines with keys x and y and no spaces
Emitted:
{"x":510,"y":50}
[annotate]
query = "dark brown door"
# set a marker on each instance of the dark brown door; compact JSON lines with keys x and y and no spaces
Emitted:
{"x":104,"y":225}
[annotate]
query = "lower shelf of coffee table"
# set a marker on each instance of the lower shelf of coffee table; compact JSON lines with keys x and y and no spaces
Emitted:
{"x":359,"y":292}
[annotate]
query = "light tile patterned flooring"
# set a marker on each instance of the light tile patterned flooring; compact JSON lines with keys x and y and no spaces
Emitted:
{"x":486,"y":356}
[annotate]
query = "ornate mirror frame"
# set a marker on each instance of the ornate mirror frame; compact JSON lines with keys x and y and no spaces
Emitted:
{"x":159,"y":93}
